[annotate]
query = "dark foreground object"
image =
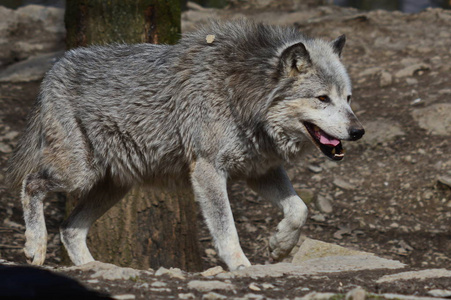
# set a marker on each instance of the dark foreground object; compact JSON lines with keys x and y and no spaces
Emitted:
{"x":35,"y":283}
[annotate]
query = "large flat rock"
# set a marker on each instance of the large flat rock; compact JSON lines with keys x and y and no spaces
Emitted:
{"x":315,"y":257}
{"x":31,"y":69}
{"x":311,"y":249}
{"x":329,"y":264}
{"x":29,"y":31}
{"x":417,"y":275}
{"x":436,"y":118}
{"x":380,"y":131}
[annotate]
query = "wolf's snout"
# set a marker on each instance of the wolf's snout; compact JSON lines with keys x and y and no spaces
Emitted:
{"x":356,"y":133}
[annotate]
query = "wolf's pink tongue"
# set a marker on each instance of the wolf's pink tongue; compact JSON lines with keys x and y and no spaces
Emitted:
{"x":328,"y":141}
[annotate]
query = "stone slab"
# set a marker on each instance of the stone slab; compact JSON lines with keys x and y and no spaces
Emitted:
{"x":419,"y":275}
{"x":311,"y":249}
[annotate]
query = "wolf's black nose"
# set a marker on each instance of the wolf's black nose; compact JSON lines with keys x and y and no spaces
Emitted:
{"x":356,"y":133}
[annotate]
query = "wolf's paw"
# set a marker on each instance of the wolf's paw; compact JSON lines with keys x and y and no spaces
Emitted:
{"x":242,"y":266}
{"x":237,"y":261}
{"x":278,"y":250}
{"x":282,"y":242}
{"x":35,"y":249}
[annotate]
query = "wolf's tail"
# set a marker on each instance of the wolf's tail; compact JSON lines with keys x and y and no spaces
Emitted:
{"x":27,"y":155}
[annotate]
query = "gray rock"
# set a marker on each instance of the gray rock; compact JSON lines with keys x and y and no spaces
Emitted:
{"x":5,"y":148}
{"x":268,"y":286}
{"x":225,"y":275}
{"x":446,"y":180}
{"x":410,"y":70}
{"x":194,"y":6}
{"x":342,"y":230}
{"x":306,"y":195}
{"x":212,"y":271}
{"x":144,"y":285}
{"x":274,"y":270}
{"x":213,"y":296}
{"x":160,"y":290}
{"x":254,"y":287}
{"x":210,"y":252}
{"x":8,"y":263}
{"x":124,"y":297}
{"x":329,"y":264}
{"x":318,"y":218}
{"x":370,"y":71}
{"x":411,"y":81}
{"x":385,"y":79}
{"x":108,"y":271}
{"x":418,"y":275}
{"x":440,"y":293}
{"x":92,"y":266}
{"x":314,"y":168}
{"x":381,"y":130}
{"x":356,"y":294}
{"x":436,"y":119}
{"x":191,"y":19}
{"x":185,"y":296}
{"x":251,"y":296}
{"x":171,"y":272}
{"x":93,"y":281}
{"x":11,"y":135}
{"x":333,"y":264}
{"x":31,"y":69}
{"x":311,"y":249}
{"x":41,"y":31}
{"x":158,"y":284}
{"x":417,"y":102}
{"x":444,"y":92}
{"x":409,"y":61}
{"x":7,"y":26}
{"x":343,"y":184}
{"x":401,"y":297}
{"x":316,"y":296}
{"x":117,"y":274}
{"x":209,"y":285}
{"x":324,"y":204}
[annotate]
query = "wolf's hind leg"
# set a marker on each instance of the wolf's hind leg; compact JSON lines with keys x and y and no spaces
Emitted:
{"x":276,"y":187}
{"x":90,"y":207}
{"x":35,"y":188}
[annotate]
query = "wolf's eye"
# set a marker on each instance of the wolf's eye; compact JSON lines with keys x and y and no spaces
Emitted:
{"x":323,"y":98}
{"x":349,"y":99}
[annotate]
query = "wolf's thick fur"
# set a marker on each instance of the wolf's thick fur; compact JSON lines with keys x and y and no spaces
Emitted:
{"x":108,"y":118}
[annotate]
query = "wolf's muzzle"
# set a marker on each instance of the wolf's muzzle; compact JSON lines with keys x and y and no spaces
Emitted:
{"x":356,"y":133}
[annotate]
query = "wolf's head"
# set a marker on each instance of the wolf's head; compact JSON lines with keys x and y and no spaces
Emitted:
{"x":312,"y":99}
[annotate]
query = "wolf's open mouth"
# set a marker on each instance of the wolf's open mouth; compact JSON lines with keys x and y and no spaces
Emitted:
{"x":329,"y":145}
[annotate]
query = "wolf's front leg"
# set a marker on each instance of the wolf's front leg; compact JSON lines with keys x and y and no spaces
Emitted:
{"x":210,"y":189}
{"x":276,"y":187}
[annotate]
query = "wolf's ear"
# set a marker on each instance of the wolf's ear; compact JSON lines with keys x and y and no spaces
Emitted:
{"x":338,"y":44}
{"x":295,"y":59}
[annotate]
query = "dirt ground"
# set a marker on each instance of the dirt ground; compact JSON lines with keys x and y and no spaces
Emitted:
{"x":385,"y":195}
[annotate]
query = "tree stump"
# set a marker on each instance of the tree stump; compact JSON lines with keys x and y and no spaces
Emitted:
{"x":149,"y":227}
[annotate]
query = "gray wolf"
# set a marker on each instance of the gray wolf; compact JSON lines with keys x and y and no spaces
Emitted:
{"x":232,"y":100}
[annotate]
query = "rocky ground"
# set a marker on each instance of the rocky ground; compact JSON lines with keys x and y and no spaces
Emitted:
{"x":391,"y":195}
